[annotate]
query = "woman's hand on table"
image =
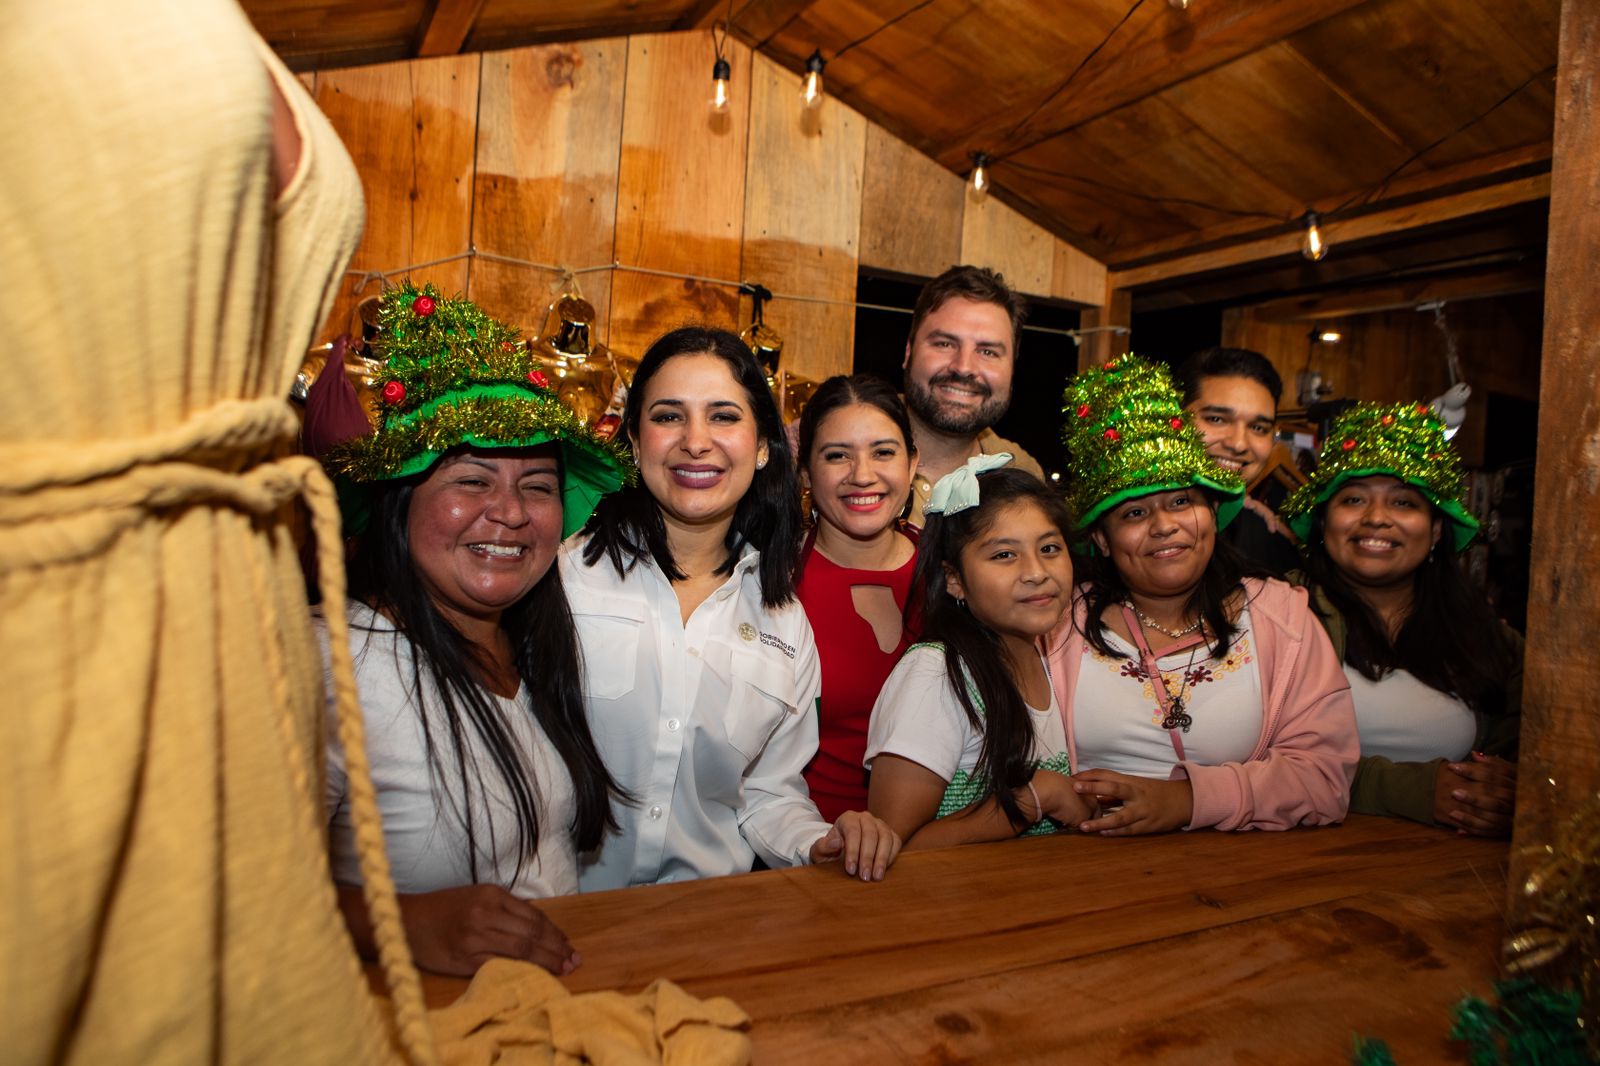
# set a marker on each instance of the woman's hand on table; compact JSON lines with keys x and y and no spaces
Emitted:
{"x":1058,"y":800}
{"x":456,"y":930}
{"x":1476,"y":797}
{"x":865,"y":844}
{"x":1137,"y":805}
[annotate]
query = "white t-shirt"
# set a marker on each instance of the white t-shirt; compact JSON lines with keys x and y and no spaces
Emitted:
{"x":1404,"y":720}
{"x":919,"y":717}
{"x":422,"y":830}
{"x":708,"y":724}
{"x":1116,"y":715}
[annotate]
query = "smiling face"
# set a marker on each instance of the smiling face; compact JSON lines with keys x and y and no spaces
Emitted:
{"x":1378,"y":530}
{"x":1161,"y":543}
{"x":1237,"y":417}
{"x":484,"y":527}
{"x":1015,"y":575}
{"x":958,"y":366}
{"x":859,"y":470}
{"x":698,"y":447}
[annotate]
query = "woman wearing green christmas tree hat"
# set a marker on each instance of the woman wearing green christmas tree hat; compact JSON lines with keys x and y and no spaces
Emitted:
{"x":466,"y":656}
{"x":1436,"y":677}
{"x":1195,"y":694}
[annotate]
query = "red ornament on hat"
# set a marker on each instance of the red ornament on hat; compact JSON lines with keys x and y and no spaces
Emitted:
{"x":394,"y":392}
{"x":1348,"y":444}
{"x":538,"y":379}
{"x":1111,"y":365}
{"x":1177,"y":423}
{"x":423,"y":306}
{"x":1387,"y":420}
{"x":1083,"y":410}
{"x":1112,"y":435}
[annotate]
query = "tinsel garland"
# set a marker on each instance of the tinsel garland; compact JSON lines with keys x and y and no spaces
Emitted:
{"x":1125,"y":430}
{"x":450,"y":346}
{"x":1405,"y":440}
{"x":1529,"y":1024}
{"x":503,"y":422}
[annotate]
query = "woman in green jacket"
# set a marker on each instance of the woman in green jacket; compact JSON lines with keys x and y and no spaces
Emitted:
{"x":1435,"y":676}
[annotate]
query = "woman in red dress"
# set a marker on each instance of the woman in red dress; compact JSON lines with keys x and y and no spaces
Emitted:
{"x":857,"y":458}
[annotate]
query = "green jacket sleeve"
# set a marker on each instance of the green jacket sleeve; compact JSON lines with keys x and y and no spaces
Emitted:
{"x":1399,"y":789}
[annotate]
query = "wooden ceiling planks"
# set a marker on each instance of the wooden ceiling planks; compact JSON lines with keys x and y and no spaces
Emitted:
{"x":1221,"y":123}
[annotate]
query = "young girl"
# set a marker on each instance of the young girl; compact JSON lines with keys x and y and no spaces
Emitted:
{"x":967,"y":742}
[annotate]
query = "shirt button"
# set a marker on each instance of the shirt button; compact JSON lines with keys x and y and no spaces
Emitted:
{"x":672,"y":724}
{"x":655,"y":812}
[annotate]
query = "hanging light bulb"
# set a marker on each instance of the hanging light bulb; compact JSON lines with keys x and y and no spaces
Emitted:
{"x":1312,"y":246}
{"x":720,"y":73}
{"x":1179,"y":5}
{"x":811,"y":84}
{"x":980,"y":175}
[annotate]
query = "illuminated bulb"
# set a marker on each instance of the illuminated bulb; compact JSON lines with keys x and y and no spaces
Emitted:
{"x":1312,"y":246}
{"x":1179,"y":5}
{"x":720,"y":73}
{"x":1330,"y":336}
{"x":811,"y":85}
{"x":980,"y":175}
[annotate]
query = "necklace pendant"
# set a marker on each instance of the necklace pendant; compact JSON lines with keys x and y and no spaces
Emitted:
{"x":1176,"y":717}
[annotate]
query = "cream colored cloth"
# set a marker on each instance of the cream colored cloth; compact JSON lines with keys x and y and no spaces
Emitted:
{"x":164,"y":896}
{"x":515,"y":1014}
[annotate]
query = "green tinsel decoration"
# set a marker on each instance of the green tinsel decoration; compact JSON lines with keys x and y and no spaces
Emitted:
{"x":1533,"y":1025}
{"x":1370,"y":1052}
{"x":452,"y":376}
{"x":1404,"y":440}
{"x":1127,"y":435}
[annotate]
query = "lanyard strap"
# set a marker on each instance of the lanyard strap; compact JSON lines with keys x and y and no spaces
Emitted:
{"x":1153,"y":670}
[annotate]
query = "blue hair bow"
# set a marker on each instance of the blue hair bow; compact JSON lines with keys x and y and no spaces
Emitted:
{"x":958,"y":490}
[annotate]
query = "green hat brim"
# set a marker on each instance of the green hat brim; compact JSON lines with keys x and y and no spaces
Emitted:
{"x":1463,"y":526}
{"x":1230,"y":499}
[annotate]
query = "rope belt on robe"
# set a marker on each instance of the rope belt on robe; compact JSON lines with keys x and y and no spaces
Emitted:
{"x":59,"y":504}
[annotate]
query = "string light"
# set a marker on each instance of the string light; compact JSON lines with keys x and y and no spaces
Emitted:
{"x":1312,"y":246}
{"x":811,"y":85}
{"x":980,"y":175}
{"x":1179,"y":5}
{"x":1330,"y":336}
{"x":720,"y":73}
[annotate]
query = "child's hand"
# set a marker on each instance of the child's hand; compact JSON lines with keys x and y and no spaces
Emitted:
{"x":1058,"y":799}
{"x":866,"y":844}
{"x":1148,"y":805}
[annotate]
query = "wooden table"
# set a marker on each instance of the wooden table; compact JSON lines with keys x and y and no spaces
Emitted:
{"x":1191,"y":947}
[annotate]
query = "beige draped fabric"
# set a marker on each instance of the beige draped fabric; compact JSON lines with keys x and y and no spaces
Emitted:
{"x":164,"y":893}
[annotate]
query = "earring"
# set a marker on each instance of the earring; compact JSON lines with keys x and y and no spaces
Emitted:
{"x":761,"y":463}
{"x":960,"y":602}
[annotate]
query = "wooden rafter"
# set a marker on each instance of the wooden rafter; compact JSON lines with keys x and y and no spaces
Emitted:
{"x":447,"y":27}
{"x":1524,"y":277}
{"x":1171,"y":51}
{"x":1376,"y":223}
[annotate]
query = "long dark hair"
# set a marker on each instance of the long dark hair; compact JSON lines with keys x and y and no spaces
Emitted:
{"x":1103,"y":586}
{"x":627,"y":527}
{"x":1450,"y":640}
{"x":545,"y":644}
{"x":973,"y":655}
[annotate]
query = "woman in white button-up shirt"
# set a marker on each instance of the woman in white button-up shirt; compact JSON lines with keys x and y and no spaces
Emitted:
{"x":700,"y":670}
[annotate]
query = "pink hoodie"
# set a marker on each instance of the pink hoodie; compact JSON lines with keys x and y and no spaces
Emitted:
{"x":1302,"y":766}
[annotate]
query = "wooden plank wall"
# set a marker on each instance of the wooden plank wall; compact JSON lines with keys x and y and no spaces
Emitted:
{"x":1389,"y":356}
{"x":590,"y":153}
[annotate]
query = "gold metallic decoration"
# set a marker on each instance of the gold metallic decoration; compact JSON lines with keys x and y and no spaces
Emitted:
{"x":1559,"y":942}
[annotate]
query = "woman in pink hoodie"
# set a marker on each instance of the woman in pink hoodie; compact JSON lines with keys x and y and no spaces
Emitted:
{"x":1196,"y":697}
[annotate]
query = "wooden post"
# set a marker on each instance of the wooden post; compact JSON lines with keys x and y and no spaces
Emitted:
{"x":1560,"y":764}
{"x":1101,"y":347}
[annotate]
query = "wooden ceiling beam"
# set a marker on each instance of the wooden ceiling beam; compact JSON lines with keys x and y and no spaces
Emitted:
{"x":447,"y":27}
{"x":1375,"y":224}
{"x":1176,"y":46}
{"x":754,"y":21}
{"x":1395,"y":296}
{"x":1483,"y":170}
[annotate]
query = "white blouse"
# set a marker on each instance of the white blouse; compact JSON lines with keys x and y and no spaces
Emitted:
{"x":708,"y":724}
{"x":423,"y":831}
{"x":1404,"y":720}
{"x":919,"y":717}
{"x":1116,"y":716}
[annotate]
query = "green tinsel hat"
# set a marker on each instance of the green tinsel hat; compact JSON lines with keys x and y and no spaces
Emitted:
{"x":455,"y":376}
{"x":1127,"y":435}
{"x":1403,"y":440}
